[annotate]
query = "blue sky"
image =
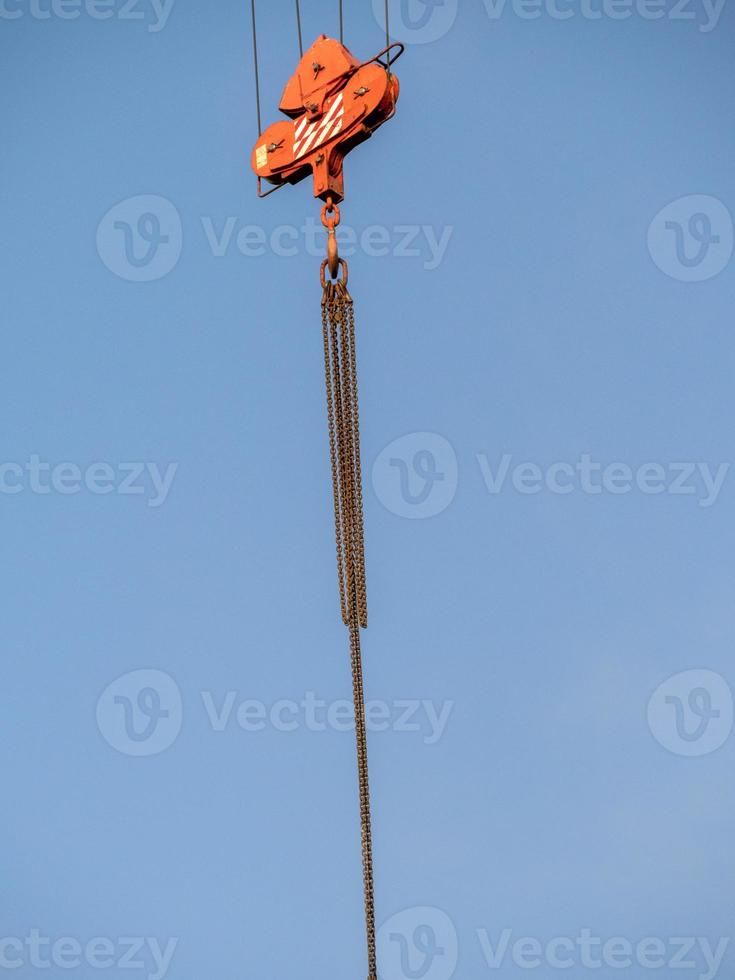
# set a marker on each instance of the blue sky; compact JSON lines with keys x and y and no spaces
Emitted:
{"x":541,"y":259}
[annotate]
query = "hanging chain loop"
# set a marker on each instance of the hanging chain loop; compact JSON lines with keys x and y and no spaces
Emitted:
{"x":343,"y":422}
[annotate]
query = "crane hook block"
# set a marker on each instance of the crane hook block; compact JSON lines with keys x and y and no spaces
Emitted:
{"x":334,"y":103}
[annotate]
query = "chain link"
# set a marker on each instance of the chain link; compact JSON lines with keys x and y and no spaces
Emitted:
{"x":340,"y":369}
{"x":333,"y":455}
{"x":359,"y":530}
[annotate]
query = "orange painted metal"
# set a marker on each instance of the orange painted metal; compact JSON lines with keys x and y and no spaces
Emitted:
{"x":334,"y":103}
{"x":330,"y":223}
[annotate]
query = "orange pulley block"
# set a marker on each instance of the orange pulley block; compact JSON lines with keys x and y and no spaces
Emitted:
{"x":334,"y":102}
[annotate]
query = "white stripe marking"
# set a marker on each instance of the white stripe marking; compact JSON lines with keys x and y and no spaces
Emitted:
{"x":315,"y":130}
{"x":335,"y":129}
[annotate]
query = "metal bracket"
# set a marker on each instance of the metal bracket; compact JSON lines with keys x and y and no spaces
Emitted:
{"x":273,"y":190}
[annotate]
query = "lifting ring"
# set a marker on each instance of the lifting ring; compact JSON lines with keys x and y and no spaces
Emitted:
{"x":345,"y":274}
{"x":331,"y":208}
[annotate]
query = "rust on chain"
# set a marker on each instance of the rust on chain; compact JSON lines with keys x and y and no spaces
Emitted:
{"x":340,"y":368}
{"x":342,"y":282}
{"x":343,"y":424}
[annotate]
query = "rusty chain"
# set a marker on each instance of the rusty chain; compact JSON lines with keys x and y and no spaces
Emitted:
{"x":340,"y":370}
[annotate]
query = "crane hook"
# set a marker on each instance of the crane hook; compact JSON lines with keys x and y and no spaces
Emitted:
{"x":330,"y":223}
